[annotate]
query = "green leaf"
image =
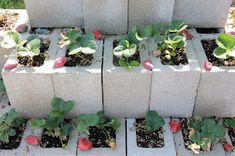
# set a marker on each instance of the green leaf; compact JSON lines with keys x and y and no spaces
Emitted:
{"x":57,"y":103}
{"x":68,"y":106}
{"x":130,"y":52}
{"x":67,"y":128}
{"x":118,"y":51}
{"x":220,"y":53}
{"x":32,"y":37}
{"x":230,"y":123}
{"x":56,"y":114}
{"x":123,"y":63}
{"x":225,"y":41}
{"x":11,"y":39}
{"x":134,"y":64}
{"x":11,"y":132}
{"x":115,"y":123}
{"x":154,"y":121}
{"x":38,"y":123}
{"x":4,"y":137}
{"x":149,"y":31}
{"x":34,"y":44}
{"x":177,"y":26}
{"x":84,"y":121}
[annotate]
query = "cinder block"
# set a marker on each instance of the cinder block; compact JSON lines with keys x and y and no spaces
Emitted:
{"x":39,"y":151}
{"x":217,"y":150}
{"x":216,"y":87}
{"x":134,"y":150}
{"x":108,"y":16}
{"x":174,"y":88}
{"x":120,"y":146}
{"x":4,"y":105}
{"x":126,"y":92}
{"x":194,"y":32}
{"x":81,"y":84}
{"x":4,"y":53}
{"x":201,"y":13}
{"x":54,"y":13}
{"x":147,"y":12}
{"x":30,"y":89}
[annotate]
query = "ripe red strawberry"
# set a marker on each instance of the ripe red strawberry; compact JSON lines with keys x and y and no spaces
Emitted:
{"x":60,"y":62}
{"x":208,"y":66}
{"x":175,"y":126}
{"x":32,"y":140}
{"x":187,"y":34}
{"x":9,"y":66}
{"x":112,"y":144}
{"x":148,"y":65}
{"x":98,"y":35}
{"x":228,"y":147}
{"x":84,"y":144}
{"x":21,"y":28}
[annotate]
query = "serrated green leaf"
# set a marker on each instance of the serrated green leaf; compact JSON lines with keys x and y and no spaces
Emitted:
{"x":154,"y":121}
{"x":220,"y":53}
{"x":38,"y":123}
{"x":56,"y":114}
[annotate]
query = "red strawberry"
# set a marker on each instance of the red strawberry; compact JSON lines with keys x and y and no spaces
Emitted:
{"x":84,"y":144}
{"x":187,"y":34}
{"x":228,"y":147}
{"x":60,"y":62}
{"x":32,"y":140}
{"x":175,"y":126}
{"x":9,"y":66}
{"x":208,"y":66}
{"x":148,"y":65}
{"x":21,"y":28}
{"x":98,"y":35}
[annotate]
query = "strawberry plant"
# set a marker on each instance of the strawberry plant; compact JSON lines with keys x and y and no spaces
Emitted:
{"x":230,"y":123}
{"x":226,"y":47}
{"x":9,"y":122}
{"x":204,"y":133}
{"x":78,"y":43}
{"x":127,"y":47}
{"x":169,"y":39}
{"x":98,"y":120}
{"x":29,"y":47}
{"x":154,"y":121}
{"x":55,"y":125}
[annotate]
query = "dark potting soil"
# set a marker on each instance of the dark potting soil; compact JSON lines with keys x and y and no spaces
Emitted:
{"x":209,"y":46}
{"x":146,"y":139}
{"x":207,"y":30}
{"x":231,"y":133}
{"x":135,"y":57}
{"x":179,"y":59}
{"x":14,"y":140}
{"x":83,"y":60}
{"x":36,"y":61}
{"x":8,"y":21}
{"x":41,"y":31}
{"x":98,"y":137}
{"x":53,"y":142}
